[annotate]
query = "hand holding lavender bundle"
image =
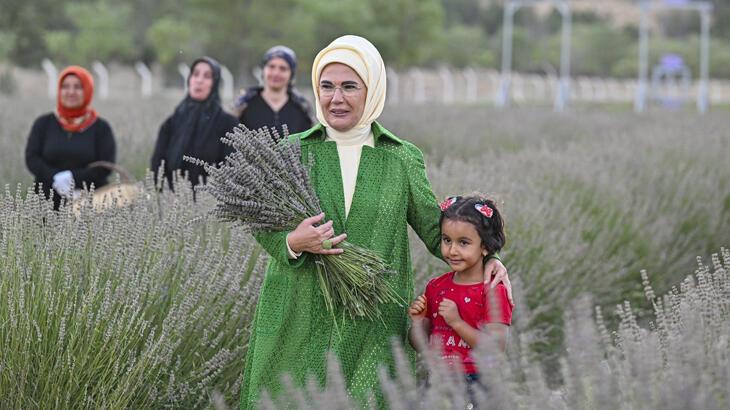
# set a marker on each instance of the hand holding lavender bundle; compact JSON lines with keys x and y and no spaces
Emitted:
{"x":264,"y":186}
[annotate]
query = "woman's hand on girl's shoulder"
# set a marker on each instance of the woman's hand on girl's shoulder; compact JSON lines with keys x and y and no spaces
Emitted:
{"x":494,"y":273}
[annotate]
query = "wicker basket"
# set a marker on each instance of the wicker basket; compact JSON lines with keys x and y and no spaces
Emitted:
{"x":119,"y":195}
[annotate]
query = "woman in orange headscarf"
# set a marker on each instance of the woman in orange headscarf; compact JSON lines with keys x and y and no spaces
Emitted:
{"x":62,"y":144}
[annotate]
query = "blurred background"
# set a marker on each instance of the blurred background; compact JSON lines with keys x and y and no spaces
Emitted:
{"x":430,"y":42}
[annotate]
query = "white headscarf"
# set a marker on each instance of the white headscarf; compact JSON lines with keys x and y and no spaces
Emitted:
{"x":362,"y":56}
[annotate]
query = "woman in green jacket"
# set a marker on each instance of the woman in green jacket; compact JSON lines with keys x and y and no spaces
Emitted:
{"x":371,"y":185}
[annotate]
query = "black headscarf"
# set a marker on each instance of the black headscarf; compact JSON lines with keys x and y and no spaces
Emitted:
{"x":192,"y":120}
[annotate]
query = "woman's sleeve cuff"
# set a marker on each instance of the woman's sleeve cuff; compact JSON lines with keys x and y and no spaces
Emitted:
{"x":292,"y":254}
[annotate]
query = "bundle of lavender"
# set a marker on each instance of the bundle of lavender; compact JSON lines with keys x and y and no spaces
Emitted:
{"x":264,"y":186}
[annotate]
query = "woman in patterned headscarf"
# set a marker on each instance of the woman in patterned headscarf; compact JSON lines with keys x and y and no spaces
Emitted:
{"x":371,"y":186}
{"x":61,"y":144}
{"x":196,"y":126}
{"x":277,"y":102}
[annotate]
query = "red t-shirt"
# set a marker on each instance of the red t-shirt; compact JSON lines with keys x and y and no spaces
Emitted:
{"x":474,"y":309}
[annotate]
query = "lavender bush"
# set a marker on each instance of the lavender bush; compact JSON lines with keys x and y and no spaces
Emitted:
{"x":591,"y":198}
{"x":143,"y":307}
{"x":587,"y":209}
{"x":678,"y":361}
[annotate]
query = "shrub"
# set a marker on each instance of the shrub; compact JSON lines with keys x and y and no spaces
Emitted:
{"x":143,"y":307}
{"x":679,"y":361}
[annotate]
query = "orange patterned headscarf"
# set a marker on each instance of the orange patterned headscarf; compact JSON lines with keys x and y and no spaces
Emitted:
{"x":79,"y":118}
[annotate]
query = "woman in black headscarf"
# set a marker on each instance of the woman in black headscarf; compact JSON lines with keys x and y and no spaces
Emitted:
{"x":196,"y":126}
{"x":277,"y":102}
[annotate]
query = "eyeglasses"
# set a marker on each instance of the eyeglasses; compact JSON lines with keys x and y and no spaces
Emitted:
{"x":348,"y":90}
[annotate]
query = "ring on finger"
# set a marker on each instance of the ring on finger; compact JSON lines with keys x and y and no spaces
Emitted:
{"x":326,"y":244}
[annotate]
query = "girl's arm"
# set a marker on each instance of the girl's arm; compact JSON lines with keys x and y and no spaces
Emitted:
{"x":418,"y":333}
{"x":498,"y":316}
{"x":450,"y":312}
{"x":466,"y":332}
{"x":420,"y":323}
{"x":494,"y":331}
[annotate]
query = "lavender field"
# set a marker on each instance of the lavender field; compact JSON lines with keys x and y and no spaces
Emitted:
{"x":149,"y":306}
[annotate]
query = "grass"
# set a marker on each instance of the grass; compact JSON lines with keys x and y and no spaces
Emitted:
{"x":591,"y":199}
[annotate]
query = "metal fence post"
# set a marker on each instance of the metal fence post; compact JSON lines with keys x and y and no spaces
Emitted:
{"x":103,"y":75}
{"x":146,"y":76}
{"x":52,"y":74}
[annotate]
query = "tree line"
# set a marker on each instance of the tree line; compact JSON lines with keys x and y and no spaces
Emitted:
{"x":407,"y":32}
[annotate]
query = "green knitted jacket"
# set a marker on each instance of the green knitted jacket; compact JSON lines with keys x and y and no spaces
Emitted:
{"x":292,"y":331}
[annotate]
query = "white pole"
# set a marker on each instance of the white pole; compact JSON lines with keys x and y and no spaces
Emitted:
{"x":564,"y":88}
{"x":146,"y":76}
{"x":184,"y":71}
{"x":493,"y":78}
{"x":640,"y":100}
{"x":600,"y":90}
{"x":52,"y":74}
{"x":472,"y":85}
{"x":447,"y":81}
{"x":502,"y":99}
{"x":518,"y":88}
{"x":258,"y":74}
{"x":702,"y":97}
{"x":393,"y":85}
{"x":419,"y":86}
{"x":586,"y":89}
{"x":227,"y":80}
{"x":539,"y":87}
{"x":103,"y":75}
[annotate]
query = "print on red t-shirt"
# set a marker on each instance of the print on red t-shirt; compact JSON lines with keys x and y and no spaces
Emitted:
{"x":474,"y":308}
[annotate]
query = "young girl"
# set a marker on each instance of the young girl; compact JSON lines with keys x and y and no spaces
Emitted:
{"x":456,"y":307}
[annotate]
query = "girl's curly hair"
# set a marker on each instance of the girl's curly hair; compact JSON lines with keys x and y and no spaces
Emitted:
{"x":465,"y":209}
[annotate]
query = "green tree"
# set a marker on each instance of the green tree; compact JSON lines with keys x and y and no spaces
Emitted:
{"x":596,"y":48}
{"x":474,"y":47}
{"x":7,"y":40}
{"x":172,"y":40}
{"x":487,"y":15}
{"x":334,"y":19}
{"x":405,"y":29}
{"x":24,"y":24}
{"x":99,"y":32}
{"x":721,"y":18}
{"x":678,"y":24}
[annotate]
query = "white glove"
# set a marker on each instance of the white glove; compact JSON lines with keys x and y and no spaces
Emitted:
{"x":63,"y":183}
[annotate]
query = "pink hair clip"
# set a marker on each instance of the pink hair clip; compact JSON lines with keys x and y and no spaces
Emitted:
{"x":484,"y":209}
{"x":448,"y":202}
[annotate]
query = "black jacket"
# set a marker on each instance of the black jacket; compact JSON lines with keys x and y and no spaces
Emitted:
{"x":296,"y":113}
{"x":51,"y":149}
{"x":204,"y":144}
